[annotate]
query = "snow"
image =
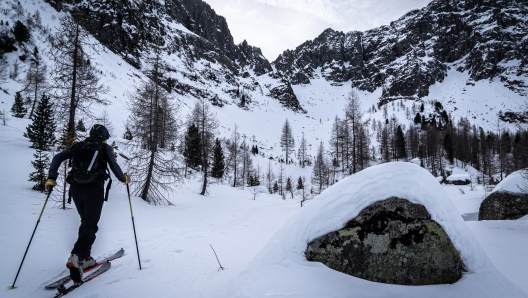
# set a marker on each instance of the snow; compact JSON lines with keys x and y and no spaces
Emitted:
{"x":458,"y":177}
{"x":513,"y":183}
{"x":174,"y":241}
{"x":281,"y":269}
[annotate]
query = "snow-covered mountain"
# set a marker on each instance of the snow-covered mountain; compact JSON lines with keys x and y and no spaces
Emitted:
{"x":467,"y":55}
{"x":485,"y":38}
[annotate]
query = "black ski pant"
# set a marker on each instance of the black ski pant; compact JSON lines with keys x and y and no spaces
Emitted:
{"x":89,"y":201}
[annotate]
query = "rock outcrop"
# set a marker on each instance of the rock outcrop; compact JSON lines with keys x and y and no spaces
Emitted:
{"x":392,"y":241}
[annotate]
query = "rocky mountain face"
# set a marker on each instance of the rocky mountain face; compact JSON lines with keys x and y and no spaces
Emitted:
{"x":187,"y":29}
{"x":487,"y":38}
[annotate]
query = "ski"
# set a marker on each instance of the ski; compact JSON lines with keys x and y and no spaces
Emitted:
{"x":102,"y":269}
{"x":66,"y":279}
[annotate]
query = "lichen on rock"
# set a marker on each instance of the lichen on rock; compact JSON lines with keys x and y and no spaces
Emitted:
{"x":392,"y":241}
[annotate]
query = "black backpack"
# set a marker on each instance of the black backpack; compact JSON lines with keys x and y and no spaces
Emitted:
{"x":88,"y":162}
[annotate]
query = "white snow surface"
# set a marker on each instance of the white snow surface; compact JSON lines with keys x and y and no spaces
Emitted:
{"x":281,"y":269}
{"x":513,"y":183}
{"x":458,"y":177}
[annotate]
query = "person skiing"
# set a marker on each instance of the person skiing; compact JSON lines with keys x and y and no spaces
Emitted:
{"x":86,"y":179}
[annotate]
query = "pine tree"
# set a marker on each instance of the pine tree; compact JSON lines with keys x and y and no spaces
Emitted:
{"x":76,"y":81}
{"x":234,"y":155}
{"x":80,"y":130}
{"x":128,"y":134}
{"x":302,"y":154}
{"x":289,"y":186}
{"x":80,"y":126}
{"x":153,"y":122}
{"x":287,"y":142}
{"x":353,"y":122}
{"x":275,"y":187}
{"x":21,"y":32}
{"x":417,"y":118}
{"x":192,"y":147}
{"x":401,"y":151}
{"x":207,"y":124}
{"x":449,"y":149}
{"x":269,"y":176}
{"x":320,"y":170}
{"x":300,"y":184}
{"x":218,"y":161}
{"x":18,"y":110}
{"x":41,"y":133}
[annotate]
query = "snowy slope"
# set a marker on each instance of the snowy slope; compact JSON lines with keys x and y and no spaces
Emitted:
{"x":174,"y":240}
{"x":281,"y":269}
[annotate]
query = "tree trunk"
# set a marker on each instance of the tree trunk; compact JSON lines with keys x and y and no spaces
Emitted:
{"x":70,"y":136}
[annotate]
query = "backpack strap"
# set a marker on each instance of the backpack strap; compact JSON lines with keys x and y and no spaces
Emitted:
{"x":109,"y":185}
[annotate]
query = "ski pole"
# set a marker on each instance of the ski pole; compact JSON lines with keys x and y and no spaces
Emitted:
{"x":133,"y":225}
{"x":31,"y":239}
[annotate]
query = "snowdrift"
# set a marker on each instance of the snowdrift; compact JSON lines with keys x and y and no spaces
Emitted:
{"x":513,"y":183}
{"x":281,"y":269}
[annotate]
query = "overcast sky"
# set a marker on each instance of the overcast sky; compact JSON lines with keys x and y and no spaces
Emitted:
{"x":277,"y":25}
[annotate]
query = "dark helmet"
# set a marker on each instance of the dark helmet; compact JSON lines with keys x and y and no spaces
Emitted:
{"x":99,"y":131}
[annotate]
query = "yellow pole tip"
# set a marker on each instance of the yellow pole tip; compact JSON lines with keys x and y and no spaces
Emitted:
{"x":11,"y":287}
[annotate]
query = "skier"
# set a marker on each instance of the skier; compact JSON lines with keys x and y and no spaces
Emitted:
{"x":89,"y":170}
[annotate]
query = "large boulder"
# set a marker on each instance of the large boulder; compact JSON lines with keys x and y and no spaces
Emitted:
{"x":392,"y":241}
{"x":507,"y":200}
{"x":503,"y":205}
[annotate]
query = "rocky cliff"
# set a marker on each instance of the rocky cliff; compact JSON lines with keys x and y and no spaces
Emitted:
{"x":486,"y":38}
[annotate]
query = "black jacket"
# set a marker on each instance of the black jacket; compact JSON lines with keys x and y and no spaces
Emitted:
{"x":109,"y":158}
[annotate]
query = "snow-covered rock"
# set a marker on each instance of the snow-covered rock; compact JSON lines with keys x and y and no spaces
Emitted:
{"x":459,"y":179}
{"x":281,"y":268}
{"x":513,"y":183}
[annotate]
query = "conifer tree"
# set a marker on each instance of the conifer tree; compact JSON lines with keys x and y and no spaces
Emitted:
{"x":207,"y":124}
{"x":234,"y":155}
{"x":289,"y":187}
{"x":275,"y":187}
{"x":302,"y":154}
{"x":218,"y":161}
{"x":192,"y":147}
{"x":128,"y":134}
{"x":300,"y":184}
{"x":449,"y":149}
{"x":401,"y":151}
{"x":21,"y":32}
{"x":41,"y":133}
{"x":18,"y":110}
{"x":76,"y":81}
{"x":269,"y":176}
{"x":153,"y":122}
{"x":287,"y":142}
{"x":320,"y":170}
